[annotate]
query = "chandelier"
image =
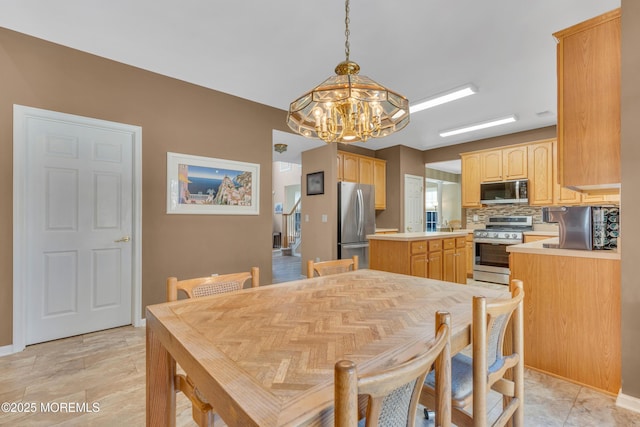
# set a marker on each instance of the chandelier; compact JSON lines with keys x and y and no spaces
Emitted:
{"x":348,"y":107}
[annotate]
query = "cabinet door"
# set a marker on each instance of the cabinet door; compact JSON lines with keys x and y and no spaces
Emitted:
{"x":435,"y":265}
{"x":562,"y":196}
{"x":470,"y":180}
{"x":419,"y":265}
{"x":461,"y":265}
{"x":449,"y":265}
{"x":589,"y":101}
{"x":514,"y":163}
{"x":349,"y":167}
{"x":365,"y":170}
{"x":540,"y":158}
{"x":469,"y":256}
{"x":491,"y":166}
{"x":380,"y":182}
{"x":340,"y":159}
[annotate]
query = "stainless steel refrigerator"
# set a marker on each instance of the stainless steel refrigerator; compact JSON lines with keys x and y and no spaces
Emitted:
{"x":356,"y":220}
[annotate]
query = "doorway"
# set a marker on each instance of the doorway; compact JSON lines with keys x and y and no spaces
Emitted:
{"x":77,"y":225}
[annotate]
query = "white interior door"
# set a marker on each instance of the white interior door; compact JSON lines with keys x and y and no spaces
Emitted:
{"x":78,"y":207}
{"x":413,"y":203}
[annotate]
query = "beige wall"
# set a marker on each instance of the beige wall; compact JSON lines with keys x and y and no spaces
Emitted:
{"x":174,"y":116}
{"x":401,"y":161}
{"x":630,"y":197}
{"x":320,"y":239}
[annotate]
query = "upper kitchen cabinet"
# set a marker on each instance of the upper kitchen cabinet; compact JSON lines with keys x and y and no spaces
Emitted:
{"x":589,"y":104}
{"x":365,"y":170}
{"x":470,"y":180}
{"x":503,"y":165}
{"x":540,"y":159}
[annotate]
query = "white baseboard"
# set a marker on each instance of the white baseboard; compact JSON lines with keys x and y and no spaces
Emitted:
{"x":7,"y":350}
{"x":628,"y":402}
{"x":141,"y":323}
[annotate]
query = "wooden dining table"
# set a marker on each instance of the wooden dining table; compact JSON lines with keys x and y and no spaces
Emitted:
{"x":265,"y":356}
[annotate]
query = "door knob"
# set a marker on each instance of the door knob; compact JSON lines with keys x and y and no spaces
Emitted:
{"x":124,"y":239}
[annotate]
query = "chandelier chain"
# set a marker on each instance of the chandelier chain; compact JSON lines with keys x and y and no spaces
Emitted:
{"x":346,"y":31}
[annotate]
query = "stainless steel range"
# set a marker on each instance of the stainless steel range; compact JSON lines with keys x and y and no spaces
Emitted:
{"x":491,"y":259}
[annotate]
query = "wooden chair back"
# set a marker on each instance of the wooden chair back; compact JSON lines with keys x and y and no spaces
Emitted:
{"x":324,"y":268}
{"x":211,"y":285}
{"x":393,"y":394}
{"x":489,"y":365}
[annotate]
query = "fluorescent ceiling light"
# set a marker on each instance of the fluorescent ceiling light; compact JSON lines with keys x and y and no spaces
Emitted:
{"x":495,"y":122}
{"x":449,"y":96}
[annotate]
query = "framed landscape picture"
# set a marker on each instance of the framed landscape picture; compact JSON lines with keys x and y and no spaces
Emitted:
{"x":204,"y":185}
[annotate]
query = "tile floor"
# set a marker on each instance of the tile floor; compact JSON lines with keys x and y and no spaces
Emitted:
{"x":108,"y":368}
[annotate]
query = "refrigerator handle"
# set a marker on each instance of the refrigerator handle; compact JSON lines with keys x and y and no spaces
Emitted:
{"x":360,"y":213}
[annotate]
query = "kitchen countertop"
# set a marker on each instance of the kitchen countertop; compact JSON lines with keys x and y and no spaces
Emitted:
{"x":386,"y":230}
{"x":425,"y":235}
{"x":538,"y":248}
{"x":540,"y":233}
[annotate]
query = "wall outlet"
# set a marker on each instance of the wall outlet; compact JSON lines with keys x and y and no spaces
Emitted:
{"x":306,"y":218}
{"x":475,"y":218}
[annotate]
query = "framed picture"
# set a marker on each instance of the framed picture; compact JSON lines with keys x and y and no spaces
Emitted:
{"x":315,"y":183}
{"x":204,"y":185}
{"x":278,"y":208}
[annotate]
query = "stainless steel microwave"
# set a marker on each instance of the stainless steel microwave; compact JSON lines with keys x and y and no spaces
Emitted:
{"x":504,"y":192}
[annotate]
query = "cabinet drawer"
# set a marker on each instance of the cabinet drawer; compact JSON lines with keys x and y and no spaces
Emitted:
{"x":419,"y":247}
{"x":435,"y":245}
{"x":461,"y":242}
{"x":449,"y":243}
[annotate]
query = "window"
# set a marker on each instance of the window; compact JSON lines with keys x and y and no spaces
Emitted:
{"x":431,"y":220}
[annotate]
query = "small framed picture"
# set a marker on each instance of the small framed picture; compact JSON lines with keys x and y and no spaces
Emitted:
{"x":315,"y":183}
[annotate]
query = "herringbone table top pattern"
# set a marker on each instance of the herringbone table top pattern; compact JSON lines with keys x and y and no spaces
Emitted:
{"x":271,"y":350}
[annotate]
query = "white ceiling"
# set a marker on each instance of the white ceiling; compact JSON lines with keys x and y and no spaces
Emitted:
{"x":271,"y":52}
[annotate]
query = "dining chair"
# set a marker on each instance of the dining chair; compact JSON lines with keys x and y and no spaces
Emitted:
{"x":392,"y":394}
{"x":324,"y":268}
{"x":488,"y":368}
{"x":201,"y":410}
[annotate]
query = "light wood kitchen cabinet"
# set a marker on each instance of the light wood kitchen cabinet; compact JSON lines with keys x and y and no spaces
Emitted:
{"x":469,"y":254}
{"x":349,"y":167}
{"x":572,"y":317}
{"x":514,"y":163}
{"x":435,"y":260}
{"x":454,"y":267}
{"x":365,"y":170}
{"x":419,"y":258}
{"x":588,"y":70}
{"x":540,"y":159}
{"x":562,"y":196}
{"x":503,"y":164}
{"x":380,"y":182}
{"x":491,"y":166}
{"x":470,"y":180}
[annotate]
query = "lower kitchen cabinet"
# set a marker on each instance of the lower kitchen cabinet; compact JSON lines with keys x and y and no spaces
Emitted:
{"x":572,"y":320}
{"x":435,"y":260}
{"x":469,"y":254}
{"x":454,"y":264}
{"x":423,"y":258}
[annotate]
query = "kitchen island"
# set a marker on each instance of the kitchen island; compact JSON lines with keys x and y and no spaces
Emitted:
{"x":571,"y":312}
{"x":436,"y":255}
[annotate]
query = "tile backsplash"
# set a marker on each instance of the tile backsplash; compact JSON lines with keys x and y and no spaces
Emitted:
{"x":493,"y":210}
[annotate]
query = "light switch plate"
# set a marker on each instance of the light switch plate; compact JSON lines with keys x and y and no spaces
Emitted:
{"x":324,"y":218}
